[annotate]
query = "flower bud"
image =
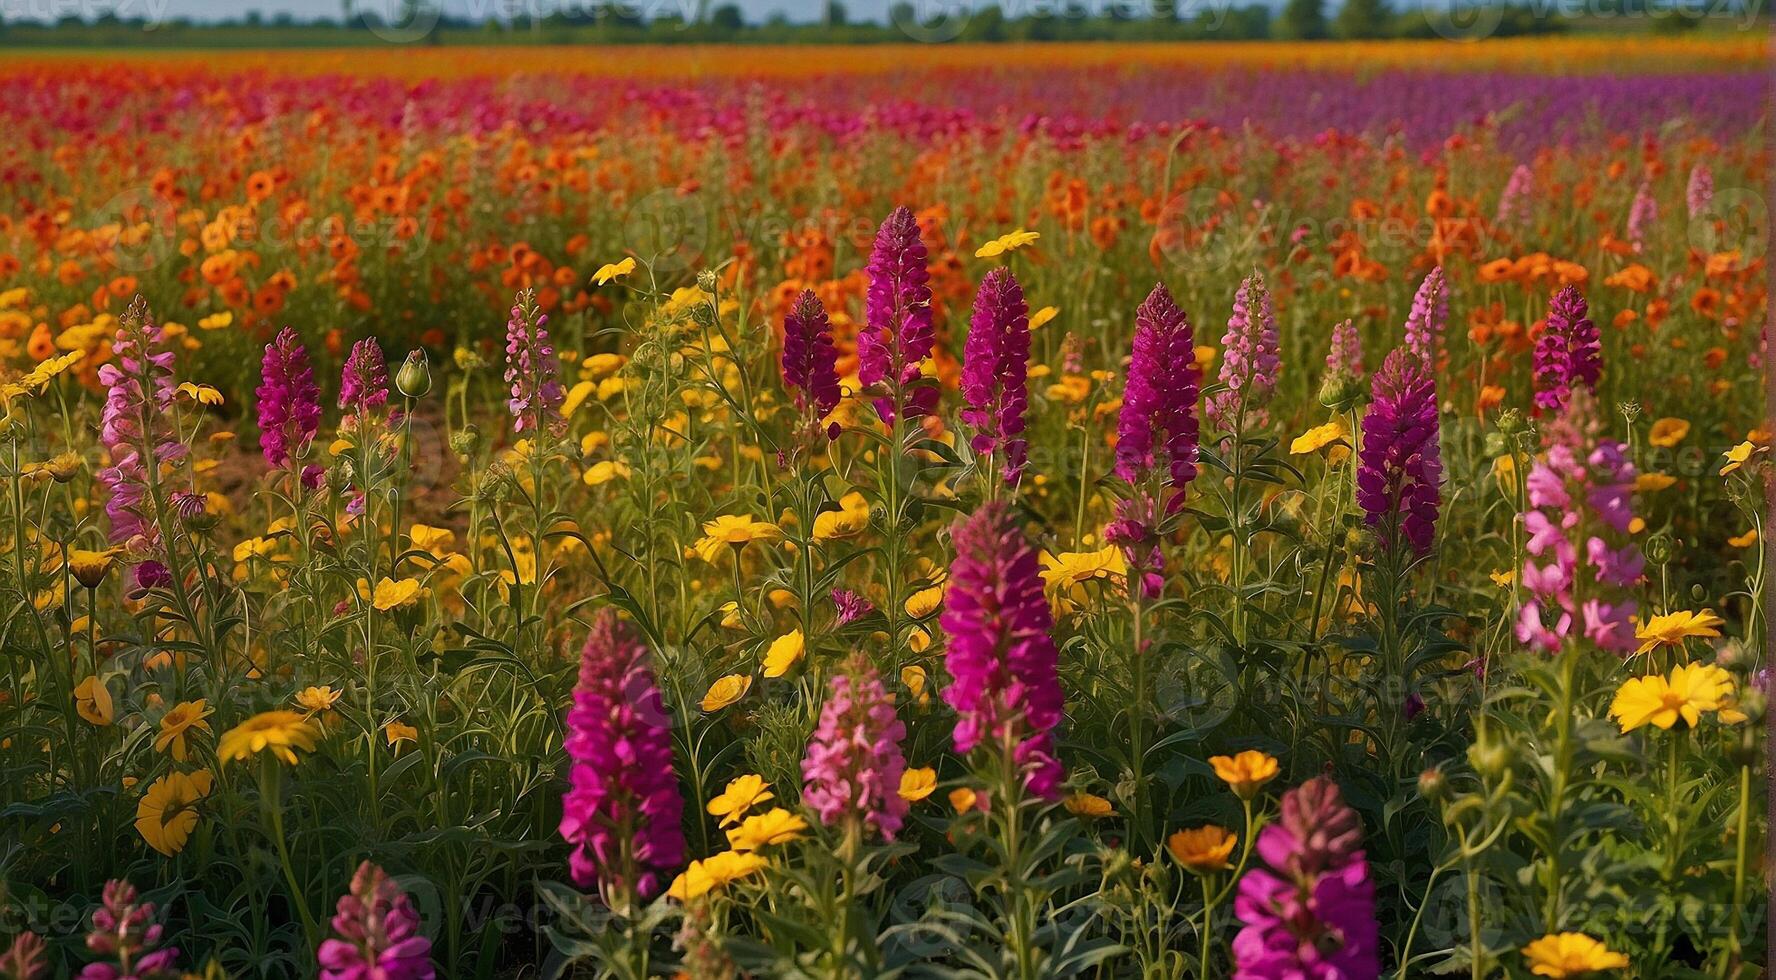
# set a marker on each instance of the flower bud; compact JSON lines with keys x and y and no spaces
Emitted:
{"x":415,"y":377}
{"x":1433,"y":785}
{"x":706,"y":281}
{"x":1511,"y":423}
{"x":1490,"y":757}
{"x":464,"y":440}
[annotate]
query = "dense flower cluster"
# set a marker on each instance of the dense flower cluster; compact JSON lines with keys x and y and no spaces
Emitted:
{"x":1568,"y":353}
{"x":622,"y":810}
{"x":995,"y":361}
{"x":1001,"y":656}
{"x":363,"y":384}
{"x":1513,"y":201}
{"x":137,"y":432}
{"x":809,"y":363}
{"x":1250,"y":360}
{"x":289,"y":400}
{"x":1699,"y":191}
{"x":1311,"y":913}
{"x":1643,"y":213}
{"x":1580,"y":495}
{"x":1398,"y":481}
{"x":1429,"y":317}
{"x":378,"y":933}
{"x":1158,"y":423}
{"x":853,"y":765}
{"x":126,"y":937}
{"x":532,"y":368}
{"x":898,"y":333}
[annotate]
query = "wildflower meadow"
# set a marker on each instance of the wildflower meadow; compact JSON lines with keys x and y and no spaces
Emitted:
{"x":1081,"y":510}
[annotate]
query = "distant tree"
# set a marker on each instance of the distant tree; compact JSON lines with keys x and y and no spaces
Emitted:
{"x":1302,"y":20}
{"x":1364,"y":19}
{"x":833,"y":14}
{"x":987,"y":24}
{"x":727,"y":19}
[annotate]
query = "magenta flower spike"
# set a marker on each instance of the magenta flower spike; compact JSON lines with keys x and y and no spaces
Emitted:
{"x":363,"y":384}
{"x":810,"y":363}
{"x":1643,"y":214}
{"x":1699,"y":192}
{"x":1401,"y":463}
{"x":378,"y":933}
{"x":289,"y":400}
{"x":1157,"y":425}
{"x":1429,"y":317}
{"x":136,"y":429}
{"x":532,"y":369}
{"x":1000,"y":655}
{"x":853,"y":765}
{"x":898,"y":333}
{"x":1569,"y":352}
{"x":1311,"y":912}
{"x":1513,"y":202}
{"x":995,"y":366}
{"x":127,"y":938}
{"x":622,"y":812}
{"x":1250,"y":360}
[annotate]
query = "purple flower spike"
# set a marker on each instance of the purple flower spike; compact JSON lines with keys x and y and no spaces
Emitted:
{"x":289,"y":400}
{"x":1568,"y":353}
{"x":1514,"y":200}
{"x":898,"y":334}
{"x":854,"y":762}
{"x":1250,"y":360}
{"x":125,"y":935}
{"x":1311,"y":914}
{"x":1000,"y":656}
{"x":1429,"y":317}
{"x":136,"y":427}
{"x":363,"y":384}
{"x":810,"y":364}
{"x":622,"y":812}
{"x":1157,"y":423}
{"x":1699,"y":192}
{"x":1401,"y":465}
{"x":995,"y":365}
{"x":1643,"y":214}
{"x":1345,"y":354}
{"x":379,"y":933}
{"x":532,"y":368}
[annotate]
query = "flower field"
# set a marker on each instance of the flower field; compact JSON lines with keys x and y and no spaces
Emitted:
{"x":1253,"y":510}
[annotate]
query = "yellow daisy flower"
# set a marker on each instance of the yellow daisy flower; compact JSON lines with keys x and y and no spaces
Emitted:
{"x":1570,"y":954}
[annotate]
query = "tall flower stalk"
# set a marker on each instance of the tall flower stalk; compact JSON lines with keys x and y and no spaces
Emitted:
{"x":896,"y":338}
{"x":1007,"y":697}
{"x":995,"y":366}
{"x":1156,"y":453}
{"x":1250,"y":363}
{"x":851,"y":780}
{"x":622,"y":810}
